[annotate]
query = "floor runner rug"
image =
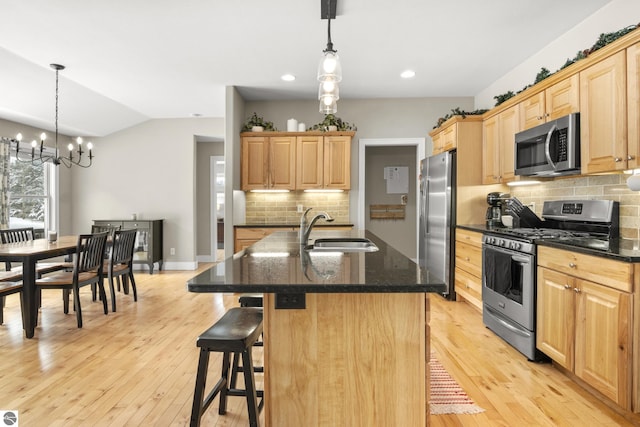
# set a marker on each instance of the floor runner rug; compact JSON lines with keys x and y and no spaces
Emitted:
{"x":447,"y":397}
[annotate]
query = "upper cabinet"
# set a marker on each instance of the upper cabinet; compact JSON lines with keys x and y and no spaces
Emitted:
{"x":633,"y":106}
{"x":445,"y":139}
{"x":559,"y":100}
{"x":268,"y":162}
{"x":603,"y":115}
{"x":323,"y":162}
{"x":498,"y":139}
{"x":296,"y":160}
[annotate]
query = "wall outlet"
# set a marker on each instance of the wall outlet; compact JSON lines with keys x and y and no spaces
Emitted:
{"x":290,"y":302}
{"x":300,"y":208}
{"x":172,"y":251}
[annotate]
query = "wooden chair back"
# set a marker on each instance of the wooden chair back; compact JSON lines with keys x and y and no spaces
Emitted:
{"x":89,"y":254}
{"x":13,"y":235}
{"x":123,"y":245}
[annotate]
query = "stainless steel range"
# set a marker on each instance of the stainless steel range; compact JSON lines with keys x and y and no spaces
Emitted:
{"x":509,"y":263}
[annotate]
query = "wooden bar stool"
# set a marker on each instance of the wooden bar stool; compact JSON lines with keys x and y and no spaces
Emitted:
{"x":235,"y":332}
{"x":246,"y":300}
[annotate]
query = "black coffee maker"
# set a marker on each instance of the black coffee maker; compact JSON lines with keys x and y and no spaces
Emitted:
{"x":497,"y":206}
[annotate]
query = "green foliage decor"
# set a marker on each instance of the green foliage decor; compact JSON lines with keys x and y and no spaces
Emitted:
{"x":603,"y":40}
{"x":255,"y":120}
{"x":458,"y":112}
{"x":332,"y":120}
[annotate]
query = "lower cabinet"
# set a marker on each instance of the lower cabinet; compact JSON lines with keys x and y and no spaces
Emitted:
{"x":584,"y":319}
{"x":468,"y":272}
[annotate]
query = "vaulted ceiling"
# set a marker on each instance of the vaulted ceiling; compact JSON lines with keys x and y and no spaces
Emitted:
{"x":131,"y":60}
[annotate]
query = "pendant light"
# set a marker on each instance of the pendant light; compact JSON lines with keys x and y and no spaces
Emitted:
{"x":329,"y":69}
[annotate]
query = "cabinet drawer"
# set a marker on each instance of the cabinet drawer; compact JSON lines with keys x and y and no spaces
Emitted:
{"x":469,"y":258}
{"x":140,"y":225}
{"x":469,"y":287}
{"x":108,"y":223}
{"x":615,"y":274}
{"x":470,"y":237}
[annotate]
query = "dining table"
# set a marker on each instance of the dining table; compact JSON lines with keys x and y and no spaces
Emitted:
{"x":29,"y":253}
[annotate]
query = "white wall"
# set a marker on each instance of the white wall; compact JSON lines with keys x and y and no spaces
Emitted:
{"x":613,"y":17}
{"x":148,"y":169}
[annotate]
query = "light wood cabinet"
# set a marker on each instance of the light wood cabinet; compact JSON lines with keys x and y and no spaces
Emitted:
{"x":268,"y":162}
{"x":498,"y":139}
{"x":323,"y":162}
{"x":585,"y":326}
{"x":559,"y":100}
{"x":603,"y":115}
{"x":446,"y":139}
{"x":633,"y":106}
{"x":468,"y":271}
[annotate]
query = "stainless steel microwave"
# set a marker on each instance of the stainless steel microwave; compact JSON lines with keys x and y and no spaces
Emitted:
{"x":550,"y":149}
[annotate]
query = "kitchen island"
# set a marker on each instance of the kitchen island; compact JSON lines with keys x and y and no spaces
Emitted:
{"x":357,"y":353}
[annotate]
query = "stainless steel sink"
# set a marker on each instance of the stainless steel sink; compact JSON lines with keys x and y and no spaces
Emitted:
{"x":343,"y":244}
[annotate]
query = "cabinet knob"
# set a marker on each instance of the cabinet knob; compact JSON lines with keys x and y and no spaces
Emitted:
{"x":617,"y":159}
{"x":631,"y":157}
{"x":540,"y":117}
{"x":572,"y":265}
{"x":467,"y":259}
{"x":566,"y":286}
{"x":577,"y":290}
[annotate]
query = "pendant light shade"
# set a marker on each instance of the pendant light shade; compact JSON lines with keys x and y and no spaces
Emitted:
{"x":329,"y":69}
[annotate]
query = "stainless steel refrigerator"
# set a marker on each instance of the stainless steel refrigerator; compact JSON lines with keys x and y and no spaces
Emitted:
{"x":438,"y":217}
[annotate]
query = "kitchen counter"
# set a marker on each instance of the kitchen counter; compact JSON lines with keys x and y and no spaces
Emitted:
{"x":625,"y":250}
{"x":276,"y":264}
{"x":362,"y":336}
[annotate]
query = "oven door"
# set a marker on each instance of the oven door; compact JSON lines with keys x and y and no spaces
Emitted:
{"x":508,"y":284}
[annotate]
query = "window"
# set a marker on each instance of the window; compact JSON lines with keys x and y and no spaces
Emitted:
{"x":31,"y":190}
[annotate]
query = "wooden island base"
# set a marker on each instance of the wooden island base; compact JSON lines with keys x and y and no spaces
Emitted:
{"x":351,"y":359}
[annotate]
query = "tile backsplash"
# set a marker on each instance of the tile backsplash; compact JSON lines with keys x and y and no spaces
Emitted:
{"x":605,"y":187}
{"x":281,"y":208}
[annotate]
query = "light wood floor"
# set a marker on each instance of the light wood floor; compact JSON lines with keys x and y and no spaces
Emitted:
{"x":137,"y":366}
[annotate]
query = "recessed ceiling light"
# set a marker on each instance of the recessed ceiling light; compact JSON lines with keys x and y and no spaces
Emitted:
{"x":407,"y":74}
{"x":196,"y":115}
{"x":288,"y":77}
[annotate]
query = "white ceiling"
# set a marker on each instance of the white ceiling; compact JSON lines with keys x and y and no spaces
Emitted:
{"x":131,"y":60}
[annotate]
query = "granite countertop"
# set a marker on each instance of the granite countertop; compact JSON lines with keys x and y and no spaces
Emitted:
{"x":625,"y":250}
{"x":296,"y":225}
{"x":276,"y":264}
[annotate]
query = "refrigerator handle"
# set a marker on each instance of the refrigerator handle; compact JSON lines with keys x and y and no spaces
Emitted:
{"x":426,"y":207}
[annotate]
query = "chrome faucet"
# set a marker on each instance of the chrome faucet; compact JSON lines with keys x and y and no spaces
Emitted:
{"x":305,"y":230}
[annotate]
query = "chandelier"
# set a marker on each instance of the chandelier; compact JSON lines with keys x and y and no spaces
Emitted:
{"x":42,"y":155}
{"x":329,"y":70}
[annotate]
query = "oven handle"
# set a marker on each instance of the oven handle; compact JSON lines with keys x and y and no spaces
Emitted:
{"x":497,"y":317}
{"x":547,"y":146}
{"x":521,"y":259}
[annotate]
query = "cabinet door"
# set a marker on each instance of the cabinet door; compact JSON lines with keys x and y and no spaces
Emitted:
{"x":532,"y":111}
{"x":555,"y":316}
{"x":437,"y":143}
{"x":282,"y":162}
{"x":509,"y":126}
{"x":337,"y":162}
{"x":144,"y":239}
{"x":603,"y":339}
{"x":633,"y":105}
{"x":450,"y":137}
{"x":310,"y":162}
{"x":490,"y":152}
{"x":562,"y":98}
{"x":255,"y":162}
{"x":603,"y":116}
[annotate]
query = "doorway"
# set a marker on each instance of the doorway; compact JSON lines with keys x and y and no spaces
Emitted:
{"x":217,"y":207}
{"x":415,"y":147}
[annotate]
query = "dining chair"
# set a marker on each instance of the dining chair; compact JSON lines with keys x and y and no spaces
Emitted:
{"x":87,"y":269}
{"x":15,"y":235}
{"x":6,"y":289}
{"x":120,"y":263}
